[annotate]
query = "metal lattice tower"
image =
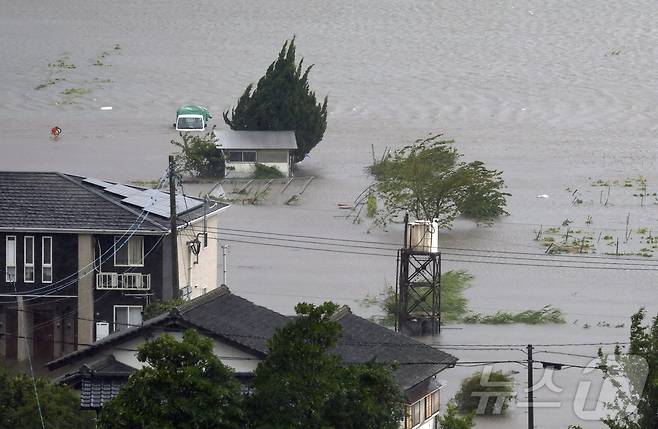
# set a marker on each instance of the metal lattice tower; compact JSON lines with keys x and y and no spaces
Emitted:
{"x":418,"y":291}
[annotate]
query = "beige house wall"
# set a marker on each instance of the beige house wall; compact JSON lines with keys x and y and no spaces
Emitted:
{"x":201,"y":277}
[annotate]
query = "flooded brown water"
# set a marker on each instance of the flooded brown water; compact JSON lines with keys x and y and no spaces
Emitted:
{"x":556,"y":94}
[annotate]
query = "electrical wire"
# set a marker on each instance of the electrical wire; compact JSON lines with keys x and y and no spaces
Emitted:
{"x":473,"y":261}
{"x":538,"y":257}
{"x":135,"y":225}
{"x":34,"y":382}
{"x":443,"y":248}
{"x":65,"y":315}
{"x":75,"y":277}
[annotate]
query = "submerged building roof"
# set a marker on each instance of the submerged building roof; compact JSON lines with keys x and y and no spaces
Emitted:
{"x":231,"y":139}
{"x":58,"y":202}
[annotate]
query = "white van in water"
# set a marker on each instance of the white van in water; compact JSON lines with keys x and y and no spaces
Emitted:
{"x":192,"y":118}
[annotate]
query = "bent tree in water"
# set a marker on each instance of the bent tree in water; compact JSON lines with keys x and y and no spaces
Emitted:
{"x":429,"y":180}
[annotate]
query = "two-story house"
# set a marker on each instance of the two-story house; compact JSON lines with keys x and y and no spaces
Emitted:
{"x":81,"y":258}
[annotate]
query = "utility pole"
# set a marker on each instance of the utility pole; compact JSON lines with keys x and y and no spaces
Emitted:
{"x":174,"y":228}
{"x":224,"y":251}
{"x":531,"y":411}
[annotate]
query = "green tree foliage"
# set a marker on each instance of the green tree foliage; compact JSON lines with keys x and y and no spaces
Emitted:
{"x":59,"y":404}
{"x":157,"y":308}
{"x":500,"y":387}
{"x":301,"y":384}
{"x":199,"y":156}
{"x":640,"y":367}
{"x":451,"y":419}
{"x":369,"y":397}
{"x":429,"y":180}
{"x":282,"y":100}
{"x":184,"y":386}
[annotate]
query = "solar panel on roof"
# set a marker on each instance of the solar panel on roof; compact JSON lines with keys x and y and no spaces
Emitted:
{"x":159,"y":210}
{"x":140,"y":200}
{"x":184,"y":204}
{"x":123,"y":190}
{"x":157,"y":202}
{"x":97,"y":182}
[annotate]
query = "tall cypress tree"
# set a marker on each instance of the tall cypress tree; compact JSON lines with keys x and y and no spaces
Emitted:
{"x":282,"y":100}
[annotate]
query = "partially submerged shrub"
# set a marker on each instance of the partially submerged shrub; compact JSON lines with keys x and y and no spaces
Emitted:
{"x":486,"y":393}
{"x":546,"y":314}
{"x":266,"y":172}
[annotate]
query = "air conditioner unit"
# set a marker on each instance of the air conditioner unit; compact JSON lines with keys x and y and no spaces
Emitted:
{"x":102,"y":330}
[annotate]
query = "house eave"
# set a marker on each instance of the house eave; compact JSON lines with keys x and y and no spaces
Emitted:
{"x":81,"y":230}
{"x":200,"y":219}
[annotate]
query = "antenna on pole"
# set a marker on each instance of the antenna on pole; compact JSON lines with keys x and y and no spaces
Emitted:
{"x":174,"y":228}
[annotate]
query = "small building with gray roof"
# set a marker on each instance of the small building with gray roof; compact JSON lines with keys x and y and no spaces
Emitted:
{"x":244,"y":149}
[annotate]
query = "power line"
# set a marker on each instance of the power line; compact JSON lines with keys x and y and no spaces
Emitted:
{"x":72,"y":278}
{"x":397,"y":245}
{"x":72,"y":312}
{"x":474,"y":261}
{"x":34,"y":382}
{"x":50,"y":290}
{"x":536,"y":258}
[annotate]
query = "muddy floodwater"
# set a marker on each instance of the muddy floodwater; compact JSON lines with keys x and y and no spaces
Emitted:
{"x":559,"y":95}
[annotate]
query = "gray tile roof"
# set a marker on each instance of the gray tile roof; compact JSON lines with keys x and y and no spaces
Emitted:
{"x":98,"y":381}
{"x":364,"y":340}
{"x":49,"y":201}
{"x":234,"y":318}
{"x":244,"y":324}
{"x":96,"y":391}
{"x":230,"y":139}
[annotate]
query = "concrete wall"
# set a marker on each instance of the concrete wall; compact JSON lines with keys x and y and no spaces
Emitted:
{"x":201,"y":277}
{"x":24,"y":329}
{"x":85,"y":290}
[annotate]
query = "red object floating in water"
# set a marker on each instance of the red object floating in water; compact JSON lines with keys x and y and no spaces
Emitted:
{"x":55,"y":131}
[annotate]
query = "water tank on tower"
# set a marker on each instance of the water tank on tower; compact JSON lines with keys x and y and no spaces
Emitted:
{"x":423,"y":236}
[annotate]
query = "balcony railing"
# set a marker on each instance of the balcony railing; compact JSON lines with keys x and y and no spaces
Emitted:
{"x":123,"y":281}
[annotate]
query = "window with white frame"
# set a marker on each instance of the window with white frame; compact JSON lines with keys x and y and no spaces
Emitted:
{"x":46,"y":259}
{"x":28,"y":259}
{"x":127,"y":316}
{"x":242,"y":156}
{"x":10,"y":257}
{"x":130,"y":253}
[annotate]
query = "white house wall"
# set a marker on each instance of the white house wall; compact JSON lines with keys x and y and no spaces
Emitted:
{"x":237,"y":359}
{"x":247,"y":169}
{"x":203,"y":275}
